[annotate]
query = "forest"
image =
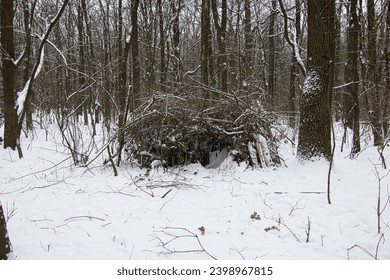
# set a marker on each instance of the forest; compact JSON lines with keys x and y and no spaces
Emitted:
{"x":201,"y":129}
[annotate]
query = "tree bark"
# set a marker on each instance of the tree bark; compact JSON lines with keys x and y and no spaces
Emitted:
{"x":206,"y":51}
{"x":351,"y":98}
{"x":27,"y":30}
{"x":294,"y":70}
{"x":220,"y":27}
{"x":387,"y":69}
{"x":315,"y":126}
{"x":5,"y":244}
{"x":372,"y":72}
{"x":136,"y":74}
{"x":11,"y":138}
{"x":249,"y":47}
{"x":81,"y":49}
{"x":106,"y":100}
{"x":272,"y":55}
{"x":177,"y":65}
{"x":163,"y":64}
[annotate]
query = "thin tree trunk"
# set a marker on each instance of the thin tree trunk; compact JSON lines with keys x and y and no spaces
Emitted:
{"x":27,"y":28}
{"x":272,"y":55}
{"x":294,"y":70}
{"x":351,"y":100}
{"x":221,"y":39}
{"x":81,"y":50}
{"x":176,"y":41}
{"x":122,"y":99}
{"x":205,"y":52}
{"x":136,"y":75}
{"x":249,"y":48}
{"x":163,"y":67}
{"x":106,"y":61}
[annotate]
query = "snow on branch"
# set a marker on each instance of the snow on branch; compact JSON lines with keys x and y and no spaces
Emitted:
{"x":292,"y":41}
{"x":23,"y":95}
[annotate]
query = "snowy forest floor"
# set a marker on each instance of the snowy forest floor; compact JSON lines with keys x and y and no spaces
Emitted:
{"x":56,"y":210}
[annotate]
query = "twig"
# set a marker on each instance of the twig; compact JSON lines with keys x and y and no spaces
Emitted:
{"x":296,"y":206}
{"x":365,"y":250}
{"x":174,"y":237}
{"x":281,"y":222}
{"x":83,"y":217}
{"x":308,"y":230}
{"x":111,"y":161}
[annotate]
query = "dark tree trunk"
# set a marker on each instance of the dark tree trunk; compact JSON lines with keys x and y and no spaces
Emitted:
{"x":136,"y":75}
{"x":81,"y":50}
{"x":106,"y":106}
{"x":5,"y":244}
{"x":206,"y":52}
{"x":249,"y":48}
{"x":177,"y":65}
{"x":351,"y":100}
{"x":27,"y":29}
{"x":221,"y":39}
{"x":163,"y":64}
{"x":372,"y":72}
{"x":8,"y":68}
{"x":387,"y":67}
{"x":315,"y":126}
{"x":122,"y":99}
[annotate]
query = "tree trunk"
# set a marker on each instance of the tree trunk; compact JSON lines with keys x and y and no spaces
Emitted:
{"x":8,"y":68}
{"x":205,"y":53}
{"x":294,"y":70}
{"x":177,"y":65}
{"x":351,"y":99}
{"x":387,"y":67}
{"x":249,"y":47}
{"x":221,"y":39}
{"x":372,"y":72}
{"x":27,"y":29}
{"x":272,"y":55}
{"x":315,"y":126}
{"x":106,"y":106}
{"x":81,"y":50}
{"x":163,"y":67}
{"x":122,"y":99}
{"x":5,"y":244}
{"x":135,"y":55}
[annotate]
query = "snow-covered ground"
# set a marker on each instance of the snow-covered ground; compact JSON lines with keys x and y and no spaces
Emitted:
{"x":60,"y":211}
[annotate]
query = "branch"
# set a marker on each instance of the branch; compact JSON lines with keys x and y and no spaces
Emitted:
{"x":293,"y":42}
{"x":26,"y":92}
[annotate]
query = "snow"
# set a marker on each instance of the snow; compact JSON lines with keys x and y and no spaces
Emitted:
{"x":59,"y":211}
{"x":312,"y":85}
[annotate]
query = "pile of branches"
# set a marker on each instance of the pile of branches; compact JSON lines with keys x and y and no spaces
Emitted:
{"x":178,"y":130}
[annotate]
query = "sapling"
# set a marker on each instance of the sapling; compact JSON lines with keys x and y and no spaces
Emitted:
{"x":380,"y":209}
